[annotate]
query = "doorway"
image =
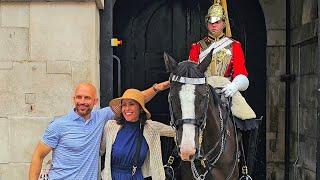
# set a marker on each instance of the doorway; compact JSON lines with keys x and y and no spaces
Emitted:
{"x":149,"y":28}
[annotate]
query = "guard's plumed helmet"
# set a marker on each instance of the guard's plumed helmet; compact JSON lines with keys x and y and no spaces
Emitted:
{"x":215,"y":13}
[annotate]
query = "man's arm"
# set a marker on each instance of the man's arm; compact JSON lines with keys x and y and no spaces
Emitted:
{"x":103,"y":140}
{"x":152,"y":91}
{"x":41,"y":151}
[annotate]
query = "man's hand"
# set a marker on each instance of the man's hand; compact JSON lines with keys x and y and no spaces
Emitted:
{"x":239,"y":83}
{"x":230,"y":90}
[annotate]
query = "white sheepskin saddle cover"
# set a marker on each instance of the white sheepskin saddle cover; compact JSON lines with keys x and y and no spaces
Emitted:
{"x":239,"y":108}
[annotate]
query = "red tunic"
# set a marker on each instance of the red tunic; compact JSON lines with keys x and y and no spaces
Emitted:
{"x":237,"y":63}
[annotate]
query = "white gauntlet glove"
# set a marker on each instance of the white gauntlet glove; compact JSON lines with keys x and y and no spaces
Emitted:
{"x":239,"y":83}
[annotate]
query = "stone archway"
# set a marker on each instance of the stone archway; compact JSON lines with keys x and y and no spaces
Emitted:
{"x":180,"y":23}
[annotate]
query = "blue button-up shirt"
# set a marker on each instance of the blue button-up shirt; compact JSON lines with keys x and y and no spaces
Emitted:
{"x":76,"y":143}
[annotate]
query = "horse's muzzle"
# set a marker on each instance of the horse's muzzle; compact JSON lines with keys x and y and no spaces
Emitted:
{"x":187,"y":153}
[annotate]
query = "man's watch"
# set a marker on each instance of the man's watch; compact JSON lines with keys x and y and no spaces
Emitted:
{"x":154,"y":87}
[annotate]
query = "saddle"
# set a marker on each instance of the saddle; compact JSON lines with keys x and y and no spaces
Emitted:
{"x":239,"y":107}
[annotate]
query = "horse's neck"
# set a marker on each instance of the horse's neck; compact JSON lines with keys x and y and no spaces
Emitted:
{"x":212,"y":131}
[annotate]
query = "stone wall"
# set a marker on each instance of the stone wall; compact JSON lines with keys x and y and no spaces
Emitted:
{"x":305,"y":65}
{"x":46,"y":48}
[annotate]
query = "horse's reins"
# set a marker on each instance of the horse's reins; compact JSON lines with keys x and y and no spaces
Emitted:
{"x":208,"y":164}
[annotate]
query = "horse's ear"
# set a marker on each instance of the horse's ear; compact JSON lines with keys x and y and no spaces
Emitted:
{"x":170,"y":63}
{"x":204,"y":65}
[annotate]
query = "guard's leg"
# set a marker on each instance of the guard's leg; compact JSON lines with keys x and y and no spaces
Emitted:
{"x":252,"y":148}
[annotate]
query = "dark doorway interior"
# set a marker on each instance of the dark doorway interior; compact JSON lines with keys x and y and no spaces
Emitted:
{"x":148,"y":28}
{"x":248,"y":26}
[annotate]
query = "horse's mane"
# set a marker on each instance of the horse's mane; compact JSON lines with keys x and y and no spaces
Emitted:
{"x":216,"y":99}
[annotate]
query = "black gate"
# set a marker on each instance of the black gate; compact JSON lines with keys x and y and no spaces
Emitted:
{"x":148,"y":28}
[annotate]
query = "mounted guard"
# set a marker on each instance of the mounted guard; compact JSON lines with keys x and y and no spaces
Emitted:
{"x":227,"y":69}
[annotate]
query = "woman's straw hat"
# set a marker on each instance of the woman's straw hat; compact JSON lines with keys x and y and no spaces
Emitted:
{"x":133,"y":94}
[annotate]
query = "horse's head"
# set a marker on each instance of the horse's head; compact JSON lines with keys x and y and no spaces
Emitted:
{"x":188,"y":100}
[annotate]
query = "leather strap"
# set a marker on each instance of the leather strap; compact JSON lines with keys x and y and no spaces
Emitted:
{"x":215,"y":47}
{"x":137,"y":152}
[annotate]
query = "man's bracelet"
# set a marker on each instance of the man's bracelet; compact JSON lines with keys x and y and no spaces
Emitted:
{"x":155,"y":89}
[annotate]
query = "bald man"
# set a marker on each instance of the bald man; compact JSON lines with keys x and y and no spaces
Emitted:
{"x":74,"y":139}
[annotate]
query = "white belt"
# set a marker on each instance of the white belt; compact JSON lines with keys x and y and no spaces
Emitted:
{"x":216,"y":46}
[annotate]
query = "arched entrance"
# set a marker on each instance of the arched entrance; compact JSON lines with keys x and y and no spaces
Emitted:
{"x":148,"y":28}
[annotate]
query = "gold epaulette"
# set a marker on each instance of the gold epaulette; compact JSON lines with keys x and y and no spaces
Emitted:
{"x":235,"y":41}
{"x":207,"y":40}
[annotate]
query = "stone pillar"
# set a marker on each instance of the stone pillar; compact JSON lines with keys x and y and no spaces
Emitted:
{"x":46,"y":49}
{"x":274,"y":12}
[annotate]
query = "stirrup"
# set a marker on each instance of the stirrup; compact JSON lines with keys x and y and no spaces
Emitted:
{"x":245,"y":175}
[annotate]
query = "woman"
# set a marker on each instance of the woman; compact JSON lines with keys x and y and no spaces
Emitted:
{"x":121,"y":140}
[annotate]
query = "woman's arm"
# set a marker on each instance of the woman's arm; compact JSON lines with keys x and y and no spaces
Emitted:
{"x":152,"y":91}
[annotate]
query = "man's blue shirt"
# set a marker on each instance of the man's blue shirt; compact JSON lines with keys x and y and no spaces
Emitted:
{"x":76,"y":143}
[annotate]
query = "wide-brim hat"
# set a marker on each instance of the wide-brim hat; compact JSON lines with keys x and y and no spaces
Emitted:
{"x":133,"y":94}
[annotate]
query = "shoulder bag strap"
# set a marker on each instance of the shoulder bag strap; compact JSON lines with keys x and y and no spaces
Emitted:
{"x":137,"y":152}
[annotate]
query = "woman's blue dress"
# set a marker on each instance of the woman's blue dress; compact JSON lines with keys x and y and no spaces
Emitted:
{"x":123,"y":150}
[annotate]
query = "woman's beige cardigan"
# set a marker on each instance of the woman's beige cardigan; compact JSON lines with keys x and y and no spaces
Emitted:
{"x":152,"y":165}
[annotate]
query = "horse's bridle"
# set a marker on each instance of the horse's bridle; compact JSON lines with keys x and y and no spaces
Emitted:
{"x":194,"y":81}
{"x":201,"y":124}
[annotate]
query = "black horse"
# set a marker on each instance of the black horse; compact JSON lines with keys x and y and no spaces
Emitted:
{"x":206,"y":135}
